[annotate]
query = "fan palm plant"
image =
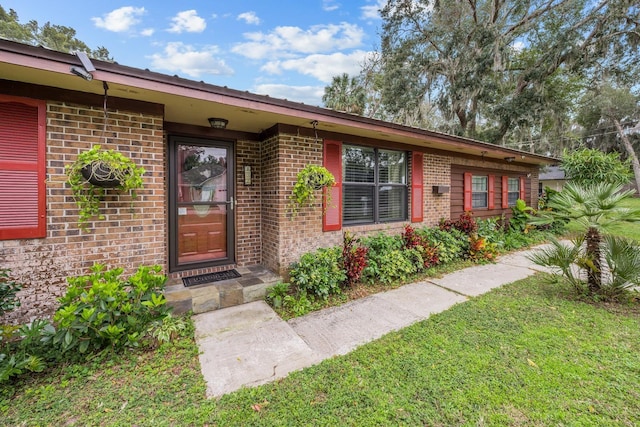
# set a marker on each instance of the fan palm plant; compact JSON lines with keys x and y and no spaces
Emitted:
{"x":593,"y":209}
{"x":345,"y":94}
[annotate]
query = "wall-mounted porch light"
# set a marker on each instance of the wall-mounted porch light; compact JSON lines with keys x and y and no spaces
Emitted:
{"x":218,"y":123}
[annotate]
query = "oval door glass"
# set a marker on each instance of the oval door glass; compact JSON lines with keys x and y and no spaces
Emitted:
{"x":202,"y":196}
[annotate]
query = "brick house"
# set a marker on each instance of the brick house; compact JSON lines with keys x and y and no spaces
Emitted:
{"x":214,"y":198}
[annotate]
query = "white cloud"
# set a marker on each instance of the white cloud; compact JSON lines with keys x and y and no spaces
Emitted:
{"x":371,"y":11}
{"x":290,"y":41}
{"x":147,"y":32}
{"x":119,"y":20}
{"x":518,"y":46}
{"x":249,"y":18}
{"x":181,"y":58}
{"x":330,"y":5}
{"x":310,"y":95}
{"x":322,"y":67}
{"x":188,"y":21}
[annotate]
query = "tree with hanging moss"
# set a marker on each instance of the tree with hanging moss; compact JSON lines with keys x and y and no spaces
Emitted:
{"x":498,"y":67}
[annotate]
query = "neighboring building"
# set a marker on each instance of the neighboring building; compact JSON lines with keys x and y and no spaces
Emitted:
{"x":552,"y":177}
{"x":239,"y":178}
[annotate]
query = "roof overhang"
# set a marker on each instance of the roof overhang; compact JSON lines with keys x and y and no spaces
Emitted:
{"x":192,"y":103}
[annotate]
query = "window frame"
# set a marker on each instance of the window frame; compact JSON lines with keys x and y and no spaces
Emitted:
{"x":376,"y":187}
{"x":510,"y":193}
{"x":485,"y":192}
{"x":39,"y":229}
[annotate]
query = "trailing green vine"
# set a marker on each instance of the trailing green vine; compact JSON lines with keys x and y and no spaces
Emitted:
{"x":96,"y":170}
{"x":309,"y":180}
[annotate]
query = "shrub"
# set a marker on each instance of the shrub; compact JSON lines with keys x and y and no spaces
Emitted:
{"x":466,"y":223}
{"x":556,"y":226}
{"x":377,"y":248}
{"x":452,"y":245}
{"x":572,"y":262}
{"x":319,"y":272}
{"x":516,"y":240}
{"x":480,"y":250}
{"x":354,"y":258}
{"x":12,"y":365}
{"x":277,"y":293}
{"x":101,"y":310}
{"x":520,"y":217}
{"x":420,"y":243}
{"x":169,"y":329}
{"x":299,"y":304}
{"x":592,"y":166}
{"x":17,"y":344}
{"x":8,"y":291}
{"x":622,"y":257}
{"x":491,"y":229}
{"x":381,"y":243}
{"x":398,"y":265}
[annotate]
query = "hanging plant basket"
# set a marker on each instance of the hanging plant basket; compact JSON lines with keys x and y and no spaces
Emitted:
{"x":95,"y":171}
{"x":100,"y":174}
{"x":309,"y":180}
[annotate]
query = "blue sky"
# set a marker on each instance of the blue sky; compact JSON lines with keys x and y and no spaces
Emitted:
{"x":285,"y":49}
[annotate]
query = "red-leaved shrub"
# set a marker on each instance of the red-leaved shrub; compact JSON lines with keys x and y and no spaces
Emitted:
{"x":466,"y":223}
{"x":354,"y":258}
{"x":413,"y":240}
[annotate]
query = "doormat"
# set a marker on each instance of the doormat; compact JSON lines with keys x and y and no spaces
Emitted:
{"x":210,"y":277}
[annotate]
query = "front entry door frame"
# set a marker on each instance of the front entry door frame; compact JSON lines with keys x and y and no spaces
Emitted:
{"x":174,"y":142}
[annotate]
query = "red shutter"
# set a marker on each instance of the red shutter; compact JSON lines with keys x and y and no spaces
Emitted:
{"x":522,"y":189}
{"x":332,"y":219}
{"x":505,"y":192}
{"x":467,"y":191}
{"x":492,"y":192}
{"x":417,"y":187}
{"x":22,"y":168}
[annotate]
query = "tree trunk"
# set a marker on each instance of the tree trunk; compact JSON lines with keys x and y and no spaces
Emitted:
{"x":630,"y":151}
{"x":594,"y":272}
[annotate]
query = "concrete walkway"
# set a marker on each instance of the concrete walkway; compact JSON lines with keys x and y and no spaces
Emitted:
{"x":249,"y":345}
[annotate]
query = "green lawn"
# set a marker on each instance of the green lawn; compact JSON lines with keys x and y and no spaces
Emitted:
{"x":629,"y":230}
{"x":526,"y":354}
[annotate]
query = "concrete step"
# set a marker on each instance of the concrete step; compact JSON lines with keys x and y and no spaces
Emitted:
{"x":251,"y":286}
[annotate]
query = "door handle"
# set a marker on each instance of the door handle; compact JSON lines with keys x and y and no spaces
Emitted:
{"x":231,"y":203}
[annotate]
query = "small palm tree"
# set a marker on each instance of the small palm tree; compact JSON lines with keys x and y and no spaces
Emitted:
{"x":345,"y":94}
{"x":594,"y":209}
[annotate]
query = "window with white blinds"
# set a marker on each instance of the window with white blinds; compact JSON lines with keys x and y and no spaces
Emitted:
{"x":480,"y":191}
{"x":514,"y":191}
{"x":374,"y":185}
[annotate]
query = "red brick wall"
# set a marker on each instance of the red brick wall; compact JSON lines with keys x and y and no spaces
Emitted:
{"x":285,"y":239}
{"x":272,"y":202}
{"x":303,"y":232}
{"x":125,"y":238}
{"x":249,"y":207}
{"x":437,"y":171}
